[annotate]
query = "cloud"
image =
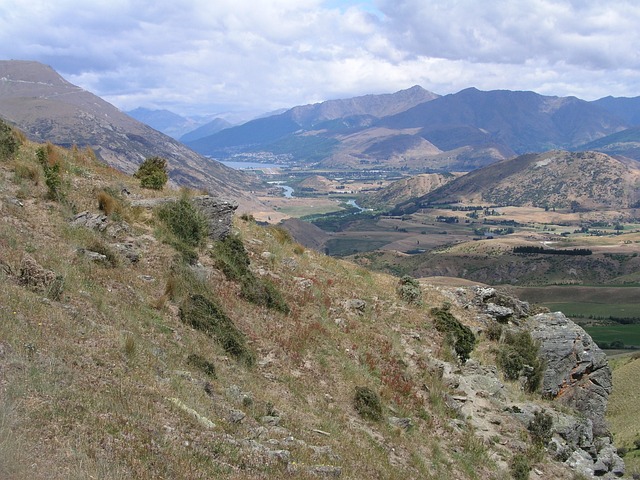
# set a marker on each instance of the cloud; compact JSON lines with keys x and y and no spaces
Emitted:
{"x":198,"y":56}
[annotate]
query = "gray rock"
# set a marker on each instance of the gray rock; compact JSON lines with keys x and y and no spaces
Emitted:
{"x":498,"y":311}
{"x":270,"y":420}
{"x":577,"y":372}
{"x":236,"y":416}
{"x":93,"y":221}
{"x":355,"y":304}
{"x":404,"y":423}
{"x":581,"y":462}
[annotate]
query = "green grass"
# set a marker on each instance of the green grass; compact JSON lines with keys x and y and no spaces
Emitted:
{"x":629,"y":334}
{"x":597,"y":310}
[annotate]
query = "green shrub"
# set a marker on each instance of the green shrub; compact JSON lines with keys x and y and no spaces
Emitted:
{"x":367,"y":403}
{"x":232,"y":258}
{"x":184,"y":221}
{"x":460,"y":336}
{"x":153,"y":173}
{"x":520,"y":467}
{"x":494,"y":331}
{"x":205,"y":315}
{"x":541,"y":427}
{"x":202,"y":364}
{"x":518,"y":356}
{"x":409,"y":290}
{"x":9,"y":142}
{"x":51,"y":167}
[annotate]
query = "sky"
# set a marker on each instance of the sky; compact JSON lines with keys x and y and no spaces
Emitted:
{"x":247,"y":57}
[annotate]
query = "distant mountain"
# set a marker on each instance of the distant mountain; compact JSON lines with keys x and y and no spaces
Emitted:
{"x":417,"y":130}
{"x":555,"y":179}
{"x":214,"y":126}
{"x":625,"y":143}
{"x":164,"y":121}
{"x":310,"y":128}
{"x":521,"y":121}
{"x":628,"y":109}
{"x":48,"y":108}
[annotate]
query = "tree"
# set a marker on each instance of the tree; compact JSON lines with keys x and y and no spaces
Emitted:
{"x":153,"y":173}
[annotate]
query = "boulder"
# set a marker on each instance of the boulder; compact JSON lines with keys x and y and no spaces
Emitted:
{"x":577,"y":372}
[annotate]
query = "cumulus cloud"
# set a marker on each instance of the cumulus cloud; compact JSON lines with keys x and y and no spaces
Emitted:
{"x":198,"y":56}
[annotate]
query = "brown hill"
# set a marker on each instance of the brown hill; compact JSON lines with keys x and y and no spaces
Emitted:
{"x":556,"y":179}
{"x":316,"y":183}
{"x":405,"y":189}
{"x":48,"y":108}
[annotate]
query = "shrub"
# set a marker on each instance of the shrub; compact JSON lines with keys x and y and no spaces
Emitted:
{"x":541,"y":427}
{"x":409,"y":290}
{"x":48,"y":159}
{"x":202,"y":364}
{"x":106,"y":202}
{"x":518,"y":356}
{"x":99,"y":247}
{"x":281,"y":235}
{"x":460,"y":336}
{"x":520,"y":467}
{"x":231,"y":257}
{"x":205,"y":315}
{"x":367,"y":403}
{"x":494,"y":331}
{"x":153,"y":173}
{"x":9,"y":142}
{"x":184,"y":221}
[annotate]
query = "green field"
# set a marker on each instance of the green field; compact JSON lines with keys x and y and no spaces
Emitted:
{"x":629,"y":334}
{"x":595,"y":310}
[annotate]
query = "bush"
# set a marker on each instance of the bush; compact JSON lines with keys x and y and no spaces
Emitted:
{"x":367,"y":403}
{"x":520,"y":467}
{"x":106,"y":202}
{"x":518,"y":356}
{"x":9,"y":142}
{"x":460,"y":336}
{"x":184,"y":221}
{"x":50,"y":163}
{"x":205,"y":315}
{"x":231,"y":257}
{"x":153,"y":173}
{"x":494,"y":331}
{"x":541,"y":427}
{"x":202,"y":364}
{"x":409,"y":290}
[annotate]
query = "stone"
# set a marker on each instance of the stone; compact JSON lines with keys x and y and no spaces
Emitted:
{"x":270,"y":420}
{"x":93,"y":221}
{"x":577,"y":372}
{"x":236,"y":416}
{"x":581,"y":462}
{"x":355,"y":304}
{"x":498,"y":311}
{"x":404,"y":423}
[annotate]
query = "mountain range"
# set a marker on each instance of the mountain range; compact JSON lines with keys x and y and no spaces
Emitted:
{"x":419,"y":130}
{"x":46,"y":107}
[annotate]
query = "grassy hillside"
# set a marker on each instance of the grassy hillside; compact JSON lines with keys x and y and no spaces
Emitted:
{"x":147,"y":351}
{"x":622,"y":412}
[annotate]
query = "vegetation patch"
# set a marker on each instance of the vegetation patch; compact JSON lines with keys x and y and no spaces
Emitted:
{"x":184,"y":221}
{"x":518,"y":356}
{"x":153,"y":173}
{"x":409,"y":290}
{"x":520,"y":467}
{"x":231,"y":257}
{"x":205,"y":315}
{"x":50,"y":162}
{"x":460,"y":336}
{"x":202,"y":364}
{"x":367,"y":403}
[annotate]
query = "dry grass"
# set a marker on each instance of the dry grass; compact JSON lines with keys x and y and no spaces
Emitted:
{"x":87,"y":381}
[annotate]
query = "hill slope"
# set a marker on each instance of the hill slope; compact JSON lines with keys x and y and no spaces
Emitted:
{"x":130,"y":348}
{"x":48,"y":108}
{"x":586,"y":180}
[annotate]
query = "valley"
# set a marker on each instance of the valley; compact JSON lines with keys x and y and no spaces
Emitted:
{"x":475,"y":241}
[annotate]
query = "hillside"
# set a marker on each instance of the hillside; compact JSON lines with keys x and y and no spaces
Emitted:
{"x":625,"y":143}
{"x":48,"y":108}
{"x":136,"y":343}
{"x":556,"y":179}
{"x":405,"y":189}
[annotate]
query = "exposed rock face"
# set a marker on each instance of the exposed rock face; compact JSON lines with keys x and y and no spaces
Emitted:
{"x":577,"y":372}
{"x":219,"y":212}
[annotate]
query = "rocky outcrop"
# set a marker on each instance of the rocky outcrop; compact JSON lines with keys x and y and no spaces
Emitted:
{"x":218,"y":212}
{"x":577,"y":372}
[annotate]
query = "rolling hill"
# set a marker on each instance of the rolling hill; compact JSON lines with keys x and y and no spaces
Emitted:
{"x":48,"y":108}
{"x":555,"y":179}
